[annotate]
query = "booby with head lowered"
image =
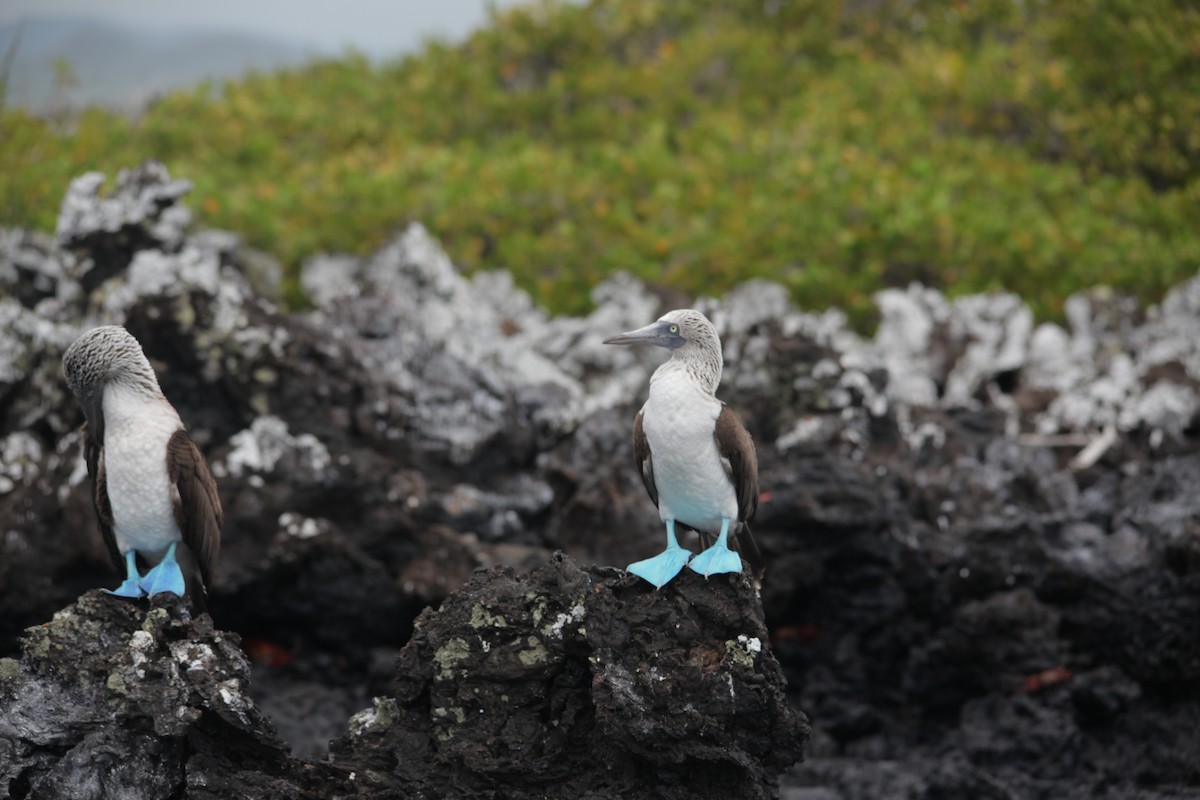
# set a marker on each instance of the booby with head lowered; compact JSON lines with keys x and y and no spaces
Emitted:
{"x":152,"y":489}
{"x":696,"y":460}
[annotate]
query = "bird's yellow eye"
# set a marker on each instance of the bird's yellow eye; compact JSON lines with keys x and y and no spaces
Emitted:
{"x":674,"y":329}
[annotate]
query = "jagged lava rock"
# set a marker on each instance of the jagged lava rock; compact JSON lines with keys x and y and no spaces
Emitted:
{"x":111,"y":700}
{"x":933,"y":544}
{"x":582,"y":683}
{"x":140,"y":214}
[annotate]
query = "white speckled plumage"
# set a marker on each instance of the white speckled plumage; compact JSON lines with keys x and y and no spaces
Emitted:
{"x":138,"y":427}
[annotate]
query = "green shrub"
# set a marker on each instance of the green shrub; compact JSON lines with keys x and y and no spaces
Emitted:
{"x":1039,"y":147}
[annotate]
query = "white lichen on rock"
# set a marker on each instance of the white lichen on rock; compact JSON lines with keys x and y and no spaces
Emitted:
{"x":141,"y":644}
{"x":743,"y":651}
{"x":193,"y":657}
{"x":299,"y":526}
{"x":378,"y":716}
{"x":20,"y":454}
{"x":259,"y":448}
{"x":575,"y":615}
{"x":143,"y":196}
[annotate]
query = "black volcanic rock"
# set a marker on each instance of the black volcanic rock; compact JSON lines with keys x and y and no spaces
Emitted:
{"x":565,"y":683}
{"x":585,"y":684}
{"x":111,"y":700}
{"x":983,"y":555}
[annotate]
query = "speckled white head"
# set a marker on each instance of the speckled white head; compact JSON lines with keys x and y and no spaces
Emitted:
{"x":107,"y":355}
{"x":690,"y":337}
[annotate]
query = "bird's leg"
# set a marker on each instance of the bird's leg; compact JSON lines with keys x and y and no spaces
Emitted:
{"x":718,"y":558}
{"x":130,"y":586}
{"x":165,"y":577}
{"x":664,"y":566}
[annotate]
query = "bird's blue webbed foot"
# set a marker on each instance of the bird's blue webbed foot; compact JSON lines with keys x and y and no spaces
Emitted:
{"x":718,"y":558}
{"x":664,"y":566}
{"x":131,"y":586}
{"x":166,"y":577}
{"x":715,"y":560}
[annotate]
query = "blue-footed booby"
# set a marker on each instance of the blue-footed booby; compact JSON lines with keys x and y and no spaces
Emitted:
{"x":151,"y":485}
{"x":696,"y":460}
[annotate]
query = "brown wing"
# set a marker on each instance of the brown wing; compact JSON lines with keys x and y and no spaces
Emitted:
{"x":641,"y":454}
{"x":93,"y":454}
{"x":740,"y":461}
{"x":197,"y":506}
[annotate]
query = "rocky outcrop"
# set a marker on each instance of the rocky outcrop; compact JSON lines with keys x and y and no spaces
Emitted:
{"x":566,"y":683}
{"x":109,"y":700}
{"x":582,"y":683}
{"x":981,"y":535}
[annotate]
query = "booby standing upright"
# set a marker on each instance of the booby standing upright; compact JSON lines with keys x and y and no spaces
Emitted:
{"x":151,"y":485}
{"x":696,"y":460}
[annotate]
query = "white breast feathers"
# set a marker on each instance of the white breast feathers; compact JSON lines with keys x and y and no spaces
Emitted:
{"x":679,"y":419}
{"x":136,"y":431}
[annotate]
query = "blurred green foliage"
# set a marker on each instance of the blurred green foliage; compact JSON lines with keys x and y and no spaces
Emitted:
{"x":837,"y":147}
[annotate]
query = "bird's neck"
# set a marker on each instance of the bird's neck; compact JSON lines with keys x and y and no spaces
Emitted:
{"x":128,"y":404}
{"x":703,"y":373}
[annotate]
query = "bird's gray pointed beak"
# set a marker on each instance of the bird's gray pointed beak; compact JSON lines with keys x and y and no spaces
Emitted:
{"x":656,"y":333}
{"x":93,"y":406}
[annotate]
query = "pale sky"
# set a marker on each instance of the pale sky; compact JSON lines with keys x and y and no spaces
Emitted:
{"x":376,"y":27}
